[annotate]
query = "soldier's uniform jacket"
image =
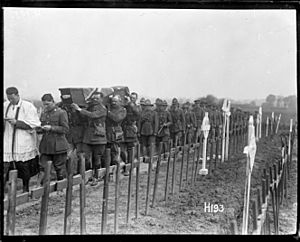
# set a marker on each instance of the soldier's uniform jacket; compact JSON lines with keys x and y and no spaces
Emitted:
{"x":178,"y":119}
{"x":54,"y":141}
{"x":129,"y":124}
{"x":95,"y":131}
{"x":199,"y":113}
{"x":148,"y":124}
{"x":190,"y":119}
{"x":164,"y":117}
{"x":115,"y":116}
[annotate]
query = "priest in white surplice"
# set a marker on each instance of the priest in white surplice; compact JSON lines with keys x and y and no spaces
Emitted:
{"x":20,"y":140}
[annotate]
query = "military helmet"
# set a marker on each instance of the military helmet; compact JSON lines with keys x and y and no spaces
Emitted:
{"x":147,"y":103}
{"x":158,"y":102}
{"x":142,"y":101}
{"x":164,"y":103}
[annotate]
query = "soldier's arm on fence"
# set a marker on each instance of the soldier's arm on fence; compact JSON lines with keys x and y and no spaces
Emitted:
{"x":63,"y":125}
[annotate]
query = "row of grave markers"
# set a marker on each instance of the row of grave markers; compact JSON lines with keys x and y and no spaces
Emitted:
{"x":277,"y":184}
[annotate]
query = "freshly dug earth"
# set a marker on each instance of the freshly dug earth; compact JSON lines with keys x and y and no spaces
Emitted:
{"x":183,"y":213}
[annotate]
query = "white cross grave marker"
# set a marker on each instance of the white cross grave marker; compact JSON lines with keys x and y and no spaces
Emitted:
{"x":205,"y":127}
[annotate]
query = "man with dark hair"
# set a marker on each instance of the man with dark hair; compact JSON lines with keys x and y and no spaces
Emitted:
{"x":129,"y":126}
{"x":53,"y":145}
{"x":115,"y":115}
{"x":148,"y":127}
{"x":94,"y":137}
{"x":177,"y":127}
{"x":20,"y":147}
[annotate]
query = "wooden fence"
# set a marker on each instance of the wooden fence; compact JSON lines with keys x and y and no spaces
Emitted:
{"x":178,"y":154}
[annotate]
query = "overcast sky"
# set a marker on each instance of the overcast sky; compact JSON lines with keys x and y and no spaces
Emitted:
{"x":241,"y":54}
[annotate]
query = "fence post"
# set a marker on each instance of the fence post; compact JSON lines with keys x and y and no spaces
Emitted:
{"x":174,"y":169}
{"x":157,"y":174}
{"x":233,"y":227}
{"x":129,"y":184}
{"x":182,"y":161}
{"x":117,"y":182}
{"x":68,"y":205}
{"x":197,"y":161}
{"x":45,"y":200}
{"x":168,"y":168}
{"x":82,"y":194}
{"x":187,"y":162}
{"x":259,"y":201}
{"x":254,"y":214}
{"x":11,"y":211}
{"x":137,"y":181}
{"x":149,"y":179}
{"x":105,"y":190}
{"x":276,"y":198}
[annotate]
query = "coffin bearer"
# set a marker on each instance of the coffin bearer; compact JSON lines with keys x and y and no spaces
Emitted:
{"x":19,"y":137}
{"x":94,"y":136}
{"x":190,"y":122}
{"x":148,"y":127}
{"x":129,"y":126}
{"x":115,"y":116}
{"x":77,"y":125}
{"x":164,"y":122}
{"x":178,"y":121}
{"x":54,"y":145}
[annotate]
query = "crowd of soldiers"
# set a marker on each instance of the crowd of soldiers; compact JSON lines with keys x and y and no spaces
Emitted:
{"x":121,"y":124}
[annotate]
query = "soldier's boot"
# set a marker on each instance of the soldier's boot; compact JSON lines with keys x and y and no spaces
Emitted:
{"x":25,"y":185}
{"x":146,"y":157}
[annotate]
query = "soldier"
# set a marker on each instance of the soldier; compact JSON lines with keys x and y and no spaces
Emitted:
{"x":129,"y":126}
{"x":164,"y":122}
{"x":75,"y":135}
{"x":148,"y":127}
{"x":54,"y":145}
{"x":142,"y":102}
{"x":115,"y":116}
{"x":178,"y":121}
{"x":199,"y":113}
{"x":190,"y":122}
{"x":94,"y":137}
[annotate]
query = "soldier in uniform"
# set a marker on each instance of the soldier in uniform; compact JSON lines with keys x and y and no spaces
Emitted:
{"x":148,"y":127}
{"x":129,"y":126}
{"x":164,"y":122}
{"x":115,"y":116}
{"x":190,"y":122}
{"x":54,"y":145}
{"x":199,"y":113}
{"x":178,"y":125}
{"x":75,"y":135}
{"x":94,"y":137}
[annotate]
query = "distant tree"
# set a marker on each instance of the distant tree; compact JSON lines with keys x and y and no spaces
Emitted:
{"x":270,"y":99}
{"x":252,"y":103}
{"x":291,"y":102}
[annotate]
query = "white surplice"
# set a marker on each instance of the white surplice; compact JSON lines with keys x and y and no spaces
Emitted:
{"x":25,"y":147}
